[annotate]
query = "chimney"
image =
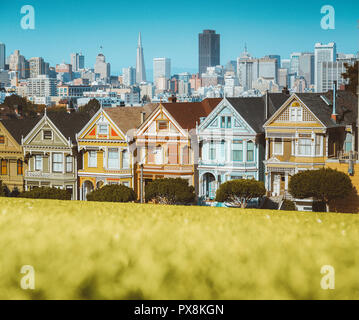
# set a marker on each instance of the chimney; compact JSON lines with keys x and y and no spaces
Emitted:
{"x":143,"y":117}
{"x":172,"y":99}
{"x":266,"y":111}
{"x":334,"y":112}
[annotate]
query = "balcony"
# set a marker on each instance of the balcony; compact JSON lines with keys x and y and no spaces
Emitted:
{"x":49,"y":175}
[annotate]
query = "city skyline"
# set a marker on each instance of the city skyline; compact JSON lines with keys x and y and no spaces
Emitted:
{"x":119,"y":43}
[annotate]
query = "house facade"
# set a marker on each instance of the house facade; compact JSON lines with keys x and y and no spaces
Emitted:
{"x":51,"y":153}
{"x":166,"y":142}
{"x":12,"y":161}
{"x":304,"y":133}
{"x":105,"y":147}
{"x":231,"y":141}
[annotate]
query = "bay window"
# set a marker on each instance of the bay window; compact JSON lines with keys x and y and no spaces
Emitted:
{"x":250,"y":151}
{"x":125,"y":159}
{"x":69,"y":164}
{"x":304,"y":147}
{"x":237,"y":150}
{"x":92,"y":159}
{"x":38,"y":162}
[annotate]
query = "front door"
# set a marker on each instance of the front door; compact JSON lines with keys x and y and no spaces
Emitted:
{"x":276,"y":184}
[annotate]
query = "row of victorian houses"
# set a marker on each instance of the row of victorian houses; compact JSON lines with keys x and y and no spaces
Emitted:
{"x":267,"y":138}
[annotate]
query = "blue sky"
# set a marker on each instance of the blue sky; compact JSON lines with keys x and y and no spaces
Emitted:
{"x":170,"y":28}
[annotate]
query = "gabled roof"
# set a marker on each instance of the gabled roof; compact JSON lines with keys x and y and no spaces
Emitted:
{"x":252,"y":109}
{"x":69,"y":123}
{"x":346,"y":107}
{"x":187,"y":114}
{"x":127,"y":118}
{"x":19,"y":128}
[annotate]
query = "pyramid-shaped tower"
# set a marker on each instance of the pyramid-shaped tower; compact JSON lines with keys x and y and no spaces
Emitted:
{"x":140,"y":62}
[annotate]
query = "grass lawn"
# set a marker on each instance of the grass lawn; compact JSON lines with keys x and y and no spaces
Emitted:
{"x":84,"y":250}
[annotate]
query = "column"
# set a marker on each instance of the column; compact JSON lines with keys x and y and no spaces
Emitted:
{"x":267,"y":148}
{"x":286,"y":181}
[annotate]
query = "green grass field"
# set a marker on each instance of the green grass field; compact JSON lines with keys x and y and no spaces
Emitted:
{"x":83,"y":250}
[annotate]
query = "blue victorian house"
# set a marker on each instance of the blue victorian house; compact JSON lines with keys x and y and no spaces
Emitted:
{"x":232,"y":142}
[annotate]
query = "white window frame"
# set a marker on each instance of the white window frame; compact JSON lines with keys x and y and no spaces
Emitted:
{"x":89,"y":164}
{"x":127,"y":164}
{"x":69,"y":163}
{"x":310,"y":150}
{"x":43,"y":134}
{"x":103,"y":125}
{"x":281,"y":148}
{"x":113,"y":166}
{"x":53,"y":162}
{"x":321,"y":137}
{"x":38,"y":156}
{"x":298,"y":116}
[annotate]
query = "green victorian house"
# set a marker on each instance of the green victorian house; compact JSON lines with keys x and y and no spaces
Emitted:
{"x":51,"y":152}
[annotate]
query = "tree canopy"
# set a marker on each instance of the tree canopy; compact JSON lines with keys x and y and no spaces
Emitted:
{"x":240,"y":191}
{"x":323,"y":185}
{"x":351,"y":75}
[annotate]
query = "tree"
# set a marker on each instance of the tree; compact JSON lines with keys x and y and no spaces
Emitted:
{"x":91,"y":107}
{"x":24,"y":106}
{"x":112,"y":193}
{"x":240,"y":191}
{"x":351,"y":75}
{"x":323,"y":185}
{"x":170,"y":191}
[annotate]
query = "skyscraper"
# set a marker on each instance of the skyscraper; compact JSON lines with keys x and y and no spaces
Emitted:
{"x":140,"y":62}
{"x":2,"y":56}
{"x":306,"y":67}
{"x":37,"y":67}
{"x":161,"y":68}
{"x":102,"y":67}
{"x":208,"y":50}
{"x":323,"y":53}
{"x":77,"y":61}
{"x":129,"y":76}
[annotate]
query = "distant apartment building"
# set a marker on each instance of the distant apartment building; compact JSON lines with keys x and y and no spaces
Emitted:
{"x":72,"y":91}
{"x":283,"y":77}
{"x":322,"y":53}
{"x":209,"y":50}
{"x":37,"y":66}
{"x":128,"y":76}
{"x":41,"y":86}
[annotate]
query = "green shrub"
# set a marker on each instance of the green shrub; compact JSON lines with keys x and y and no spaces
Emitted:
{"x":14,"y":193}
{"x":112,"y":193}
{"x":240,"y":191}
{"x":319,"y":206}
{"x":288,"y":205}
{"x":4,"y":190}
{"x":170,"y":191}
{"x":47,"y":193}
{"x":323,"y":185}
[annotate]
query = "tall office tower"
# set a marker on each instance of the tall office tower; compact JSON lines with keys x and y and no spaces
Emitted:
{"x":81,"y":61}
{"x":328,"y":72}
{"x":140,"y":62}
{"x":129,"y":76}
{"x":2,"y":56}
{"x":276,"y":56}
{"x":161,"y":68}
{"x":283,"y":77}
{"x":36,"y":67}
{"x":285,"y":64}
{"x":268,"y":68}
{"x":102,"y":67}
{"x":306,"y":67}
{"x":323,"y":53}
{"x":209,"y":50}
{"x":18,"y":63}
{"x":247,"y":70}
{"x":294,"y":62}
{"x":77,"y":61}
